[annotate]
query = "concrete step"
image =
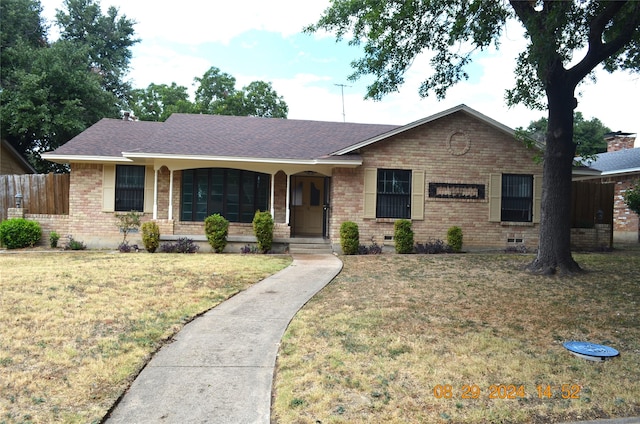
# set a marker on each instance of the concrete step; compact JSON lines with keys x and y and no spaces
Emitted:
{"x":310,"y":248}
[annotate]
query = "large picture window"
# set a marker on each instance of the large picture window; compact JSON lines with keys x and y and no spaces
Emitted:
{"x":233,"y":193}
{"x":393,"y":194}
{"x":129,"y":188}
{"x":517,"y":198}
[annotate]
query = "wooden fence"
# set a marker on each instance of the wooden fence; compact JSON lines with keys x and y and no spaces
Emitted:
{"x":41,"y":193}
{"x":592,"y":203}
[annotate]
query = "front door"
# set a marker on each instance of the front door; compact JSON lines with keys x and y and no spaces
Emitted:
{"x":308,"y":206}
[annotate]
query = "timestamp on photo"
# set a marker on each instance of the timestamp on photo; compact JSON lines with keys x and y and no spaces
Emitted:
{"x":506,"y":391}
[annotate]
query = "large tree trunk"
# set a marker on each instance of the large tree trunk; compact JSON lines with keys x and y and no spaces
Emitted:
{"x":554,"y":250}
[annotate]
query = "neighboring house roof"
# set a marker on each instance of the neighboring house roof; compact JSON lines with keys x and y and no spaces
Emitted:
{"x":626,"y":161}
{"x":14,"y":162}
{"x":217,"y":137}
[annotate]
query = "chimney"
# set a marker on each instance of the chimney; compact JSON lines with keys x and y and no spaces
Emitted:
{"x":619,"y":141}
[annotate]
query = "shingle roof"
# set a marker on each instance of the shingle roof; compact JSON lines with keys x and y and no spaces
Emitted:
{"x":110,"y":137}
{"x":625,"y":160}
{"x":221,"y":136}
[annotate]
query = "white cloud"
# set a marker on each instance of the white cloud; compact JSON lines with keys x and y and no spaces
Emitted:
{"x":170,"y":33}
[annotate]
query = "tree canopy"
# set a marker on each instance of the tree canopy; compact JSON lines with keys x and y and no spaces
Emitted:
{"x":52,"y":91}
{"x":566,"y":42}
{"x":588,"y":135}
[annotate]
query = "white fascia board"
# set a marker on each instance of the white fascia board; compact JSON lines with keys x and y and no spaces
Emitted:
{"x":621,"y":171}
{"x":329,"y":161}
{"x":82,"y":158}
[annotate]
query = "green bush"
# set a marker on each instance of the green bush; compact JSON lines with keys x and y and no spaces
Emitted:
{"x":53,"y":239}
{"x":16,"y":233}
{"x":75,"y":245}
{"x":263,"y":229}
{"x":403,"y":236}
{"x":454,"y":238}
{"x":150,"y":236}
{"x":349,"y":238}
{"x":216,"y":227}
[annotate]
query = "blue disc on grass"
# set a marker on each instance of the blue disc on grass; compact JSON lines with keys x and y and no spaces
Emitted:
{"x":590,"y":351}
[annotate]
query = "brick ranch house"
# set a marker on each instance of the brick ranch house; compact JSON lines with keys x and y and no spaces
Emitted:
{"x":458,"y":167}
{"x":619,"y":166}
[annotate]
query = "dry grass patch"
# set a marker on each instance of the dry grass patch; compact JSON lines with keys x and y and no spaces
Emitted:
{"x":397,"y":339}
{"x":76,"y":327}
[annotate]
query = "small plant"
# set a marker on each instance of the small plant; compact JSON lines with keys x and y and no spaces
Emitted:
{"x":182,"y":245}
{"x":632,"y":197}
{"x":433,"y":247}
{"x":263,"y":230}
{"x":248,"y":249}
{"x":216,"y":227}
{"x":127,"y":223}
{"x":403,"y":235}
{"x":150,"y":236}
{"x":75,"y":244}
{"x":454,"y":238}
{"x":124,"y":247}
{"x":349,"y":238}
{"x":372,"y":249}
{"x":53,"y":239}
{"x":16,"y":233}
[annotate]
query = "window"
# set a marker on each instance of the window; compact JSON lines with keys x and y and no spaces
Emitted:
{"x":129,"y":190}
{"x":393,"y":194}
{"x":517,"y":198}
{"x":233,"y":193}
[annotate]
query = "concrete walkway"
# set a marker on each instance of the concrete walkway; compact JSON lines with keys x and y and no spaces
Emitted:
{"x":220,"y":367}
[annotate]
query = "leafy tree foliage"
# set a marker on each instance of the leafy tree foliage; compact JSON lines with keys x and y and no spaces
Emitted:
{"x":587,"y":135}
{"x":632,"y":197}
{"x":109,"y":39}
{"x":605,"y":33}
{"x":158,"y":101}
{"x":51,"y":92}
{"x":216,"y":95}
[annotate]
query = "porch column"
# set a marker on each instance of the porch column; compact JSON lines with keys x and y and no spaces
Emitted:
{"x":288,"y":205}
{"x":273,"y":191}
{"x":155,"y":192}
{"x":170,"y":216}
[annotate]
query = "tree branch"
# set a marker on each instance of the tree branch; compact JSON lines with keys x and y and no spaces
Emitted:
{"x":598,"y":50}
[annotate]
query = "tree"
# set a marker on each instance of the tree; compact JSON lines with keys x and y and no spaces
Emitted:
{"x":158,"y":101}
{"x":109,"y":39}
{"x":50,"y":99}
{"x":632,"y":198}
{"x":216,"y":95}
{"x":601,"y":33}
{"x":588,"y":136}
{"x":51,"y":92}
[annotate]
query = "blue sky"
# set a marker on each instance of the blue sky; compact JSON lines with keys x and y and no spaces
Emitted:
{"x":258,"y":40}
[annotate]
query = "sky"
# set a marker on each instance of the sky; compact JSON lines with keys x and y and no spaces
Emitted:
{"x":263,"y":40}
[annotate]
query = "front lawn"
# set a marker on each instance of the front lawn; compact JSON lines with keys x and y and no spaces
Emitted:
{"x":77,"y":327}
{"x":467,"y":338}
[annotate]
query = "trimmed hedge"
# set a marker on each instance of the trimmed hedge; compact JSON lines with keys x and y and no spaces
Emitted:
{"x":16,"y":233}
{"x":216,"y":227}
{"x":349,"y":238}
{"x":263,"y":229}
{"x":403,"y":235}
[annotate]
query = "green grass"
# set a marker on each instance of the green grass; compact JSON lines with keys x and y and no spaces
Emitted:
{"x":413,"y":338}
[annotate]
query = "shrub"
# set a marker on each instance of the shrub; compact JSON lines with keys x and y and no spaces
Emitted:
{"x":433,"y":247}
{"x":182,"y":245}
{"x":16,"y":233}
{"x":372,"y":249}
{"x":75,"y":245}
{"x":128,"y":222}
{"x":53,"y":239}
{"x":403,"y":235}
{"x":349,"y":238}
{"x":454,"y":238}
{"x":248,"y":249}
{"x":150,"y":236}
{"x":263,"y":229}
{"x":216,"y":227}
